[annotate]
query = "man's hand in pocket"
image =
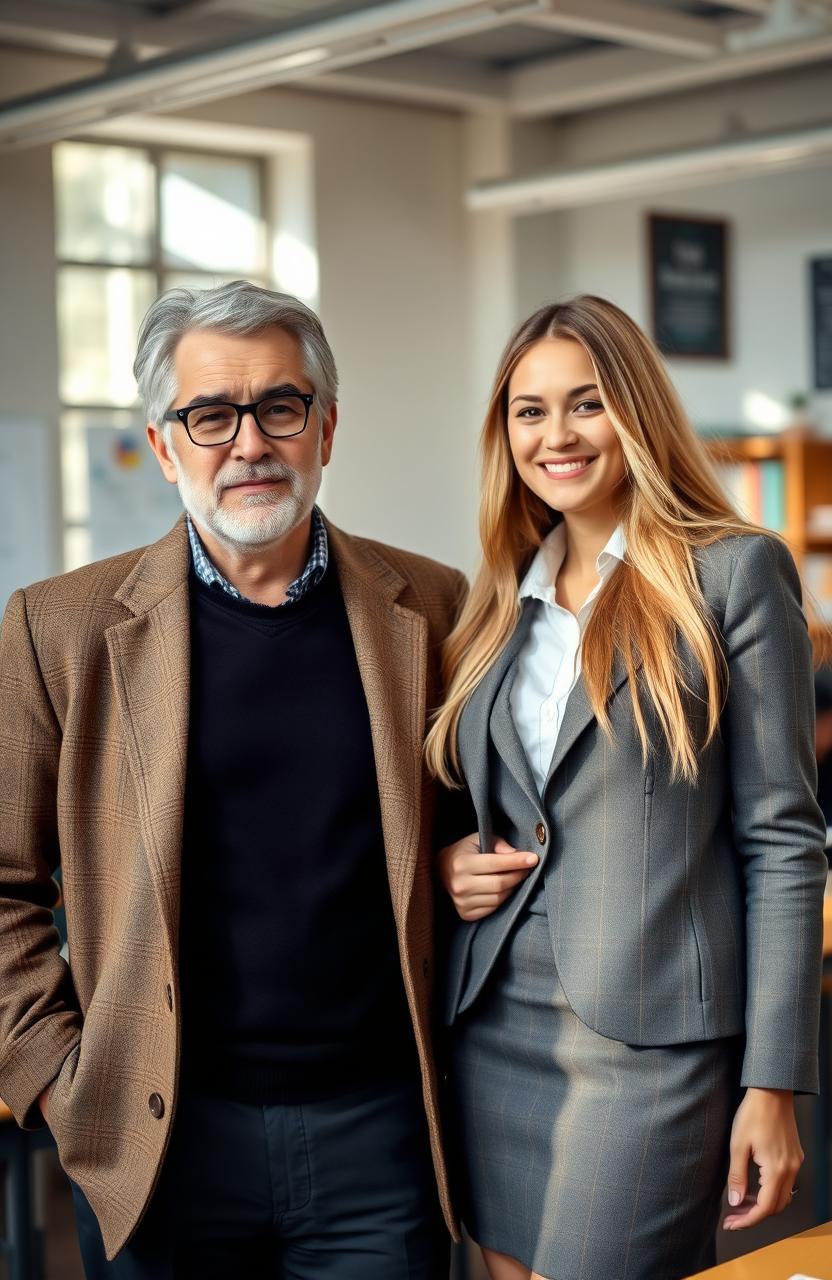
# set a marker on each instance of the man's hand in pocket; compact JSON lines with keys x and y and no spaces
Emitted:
{"x":43,"y":1101}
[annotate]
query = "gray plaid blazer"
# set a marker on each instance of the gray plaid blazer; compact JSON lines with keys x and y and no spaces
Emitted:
{"x":677,"y":912}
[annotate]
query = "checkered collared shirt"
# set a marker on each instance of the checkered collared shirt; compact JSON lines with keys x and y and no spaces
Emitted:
{"x":208,"y":573}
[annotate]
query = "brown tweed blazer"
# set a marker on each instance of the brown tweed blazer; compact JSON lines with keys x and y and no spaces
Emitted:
{"x":94,"y":685}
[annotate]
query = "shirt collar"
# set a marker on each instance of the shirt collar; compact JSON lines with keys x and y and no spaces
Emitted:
{"x":541,"y":576}
{"x":316,"y":565}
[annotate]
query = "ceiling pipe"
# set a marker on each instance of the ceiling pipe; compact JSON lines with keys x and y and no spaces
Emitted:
{"x":593,"y":184}
{"x":185,"y":79}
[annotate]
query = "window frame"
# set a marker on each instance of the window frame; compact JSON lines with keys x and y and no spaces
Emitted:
{"x":74,"y":531}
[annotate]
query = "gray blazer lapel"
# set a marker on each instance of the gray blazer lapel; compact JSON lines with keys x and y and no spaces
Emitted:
{"x":578,"y":715}
{"x":506,"y":739}
{"x":473,"y":758}
{"x":474,"y":728}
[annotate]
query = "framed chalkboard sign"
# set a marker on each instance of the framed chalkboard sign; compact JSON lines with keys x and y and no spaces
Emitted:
{"x":821,"y":286}
{"x":689,"y":285}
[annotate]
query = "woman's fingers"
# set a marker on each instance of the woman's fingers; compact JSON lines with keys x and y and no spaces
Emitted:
{"x":497,"y":884}
{"x":477,"y":882}
{"x":759,"y":1207}
{"x":738,"y":1173}
{"x":486,"y":864}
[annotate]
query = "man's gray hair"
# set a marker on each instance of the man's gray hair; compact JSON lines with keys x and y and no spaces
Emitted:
{"x":240,"y":308}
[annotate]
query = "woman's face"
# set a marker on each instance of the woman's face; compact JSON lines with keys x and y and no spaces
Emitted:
{"x":563,"y":444}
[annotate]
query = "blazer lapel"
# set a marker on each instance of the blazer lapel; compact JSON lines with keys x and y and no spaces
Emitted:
{"x":578,"y":715}
{"x":474,"y":727}
{"x":391,"y":649}
{"x":150,"y":664}
{"x":506,"y":739}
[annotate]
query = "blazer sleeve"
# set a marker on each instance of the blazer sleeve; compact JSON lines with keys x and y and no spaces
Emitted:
{"x":40,"y":1021}
{"x":779,"y":830}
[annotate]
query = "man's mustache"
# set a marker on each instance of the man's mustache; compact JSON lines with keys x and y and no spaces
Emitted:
{"x":253,"y":474}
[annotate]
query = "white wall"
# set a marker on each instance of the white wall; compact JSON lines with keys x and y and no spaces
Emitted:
{"x":778,"y":222}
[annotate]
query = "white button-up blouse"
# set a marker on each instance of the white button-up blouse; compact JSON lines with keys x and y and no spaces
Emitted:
{"x":549,"y":662}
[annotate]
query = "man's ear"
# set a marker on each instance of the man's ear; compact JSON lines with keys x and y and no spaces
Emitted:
{"x":327,"y":432}
{"x":164,"y":454}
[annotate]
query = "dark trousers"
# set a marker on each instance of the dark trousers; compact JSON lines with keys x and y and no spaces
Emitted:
{"x":335,"y":1190}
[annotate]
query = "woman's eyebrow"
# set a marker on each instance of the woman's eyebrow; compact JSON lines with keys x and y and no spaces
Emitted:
{"x":576,"y":391}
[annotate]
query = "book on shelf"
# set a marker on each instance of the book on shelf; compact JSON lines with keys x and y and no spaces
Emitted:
{"x":757,"y":490}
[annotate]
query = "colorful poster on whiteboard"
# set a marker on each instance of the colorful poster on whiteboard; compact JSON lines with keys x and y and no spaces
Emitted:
{"x":26,"y":510}
{"x":131,"y":503}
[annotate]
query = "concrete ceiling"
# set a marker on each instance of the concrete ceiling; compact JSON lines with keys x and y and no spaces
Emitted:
{"x":527,"y":58}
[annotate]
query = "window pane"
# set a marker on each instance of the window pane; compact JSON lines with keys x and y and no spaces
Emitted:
{"x":99,"y":313}
{"x":104,"y":203}
{"x":211,"y":214}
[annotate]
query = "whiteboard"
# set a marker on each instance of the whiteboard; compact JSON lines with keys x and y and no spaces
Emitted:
{"x":131,"y":503}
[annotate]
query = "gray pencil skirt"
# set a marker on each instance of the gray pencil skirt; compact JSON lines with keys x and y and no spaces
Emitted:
{"x":582,"y":1157}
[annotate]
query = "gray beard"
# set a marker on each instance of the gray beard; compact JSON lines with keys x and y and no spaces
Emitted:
{"x":261,"y":518}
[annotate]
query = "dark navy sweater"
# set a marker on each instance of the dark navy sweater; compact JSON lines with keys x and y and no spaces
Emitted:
{"x":290,"y":981}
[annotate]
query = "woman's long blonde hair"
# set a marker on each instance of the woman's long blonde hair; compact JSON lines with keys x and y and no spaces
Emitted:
{"x":672,"y":502}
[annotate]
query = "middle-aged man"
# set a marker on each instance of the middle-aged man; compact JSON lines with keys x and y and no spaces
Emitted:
{"x":219,"y":739}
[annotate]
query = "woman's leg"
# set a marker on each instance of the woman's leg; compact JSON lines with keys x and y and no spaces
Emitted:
{"x":501,"y":1267}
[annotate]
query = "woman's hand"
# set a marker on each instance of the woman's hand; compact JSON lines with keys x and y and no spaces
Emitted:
{"x":480,"y":882}
{"x":764,"y":1130}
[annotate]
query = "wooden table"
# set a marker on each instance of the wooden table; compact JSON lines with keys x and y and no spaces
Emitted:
{"x":809,"y":1253}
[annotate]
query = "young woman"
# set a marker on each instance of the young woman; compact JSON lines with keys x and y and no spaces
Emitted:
{"x":634,"y":978}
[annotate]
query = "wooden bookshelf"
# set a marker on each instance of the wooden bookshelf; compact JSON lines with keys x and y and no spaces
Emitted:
{"x":807,"y":470}
{"x":806,"y":464}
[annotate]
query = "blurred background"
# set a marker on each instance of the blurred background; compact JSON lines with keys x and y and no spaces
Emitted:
{"x":424,"y":173}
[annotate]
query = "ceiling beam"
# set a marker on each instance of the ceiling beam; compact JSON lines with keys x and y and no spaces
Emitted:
{"x":603,"y":77}
{"x":639,"y":175}
{"x":745,"y":6}
{"x":93,"y":29}
{"x":209,"y":72}
{"x":623,"y":22}
{"x":431,"y":79}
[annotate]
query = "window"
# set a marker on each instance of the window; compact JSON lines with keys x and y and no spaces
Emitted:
{"x":131,"y":221}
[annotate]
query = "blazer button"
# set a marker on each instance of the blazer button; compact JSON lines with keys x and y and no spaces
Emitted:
{"x":157,"y":1106}
{"x":425,"y":968}
{"x":540,"y":832}
{"x":169,"y":996}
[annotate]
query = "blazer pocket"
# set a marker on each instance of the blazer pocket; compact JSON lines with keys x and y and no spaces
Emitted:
{"x":698,"y":928}
{"x":649,"y":783}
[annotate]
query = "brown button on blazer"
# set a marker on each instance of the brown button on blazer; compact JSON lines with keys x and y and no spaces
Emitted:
{"x":94,"y":688}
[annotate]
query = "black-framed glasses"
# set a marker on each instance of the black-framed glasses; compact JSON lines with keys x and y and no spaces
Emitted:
{"x":278,"y":416}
